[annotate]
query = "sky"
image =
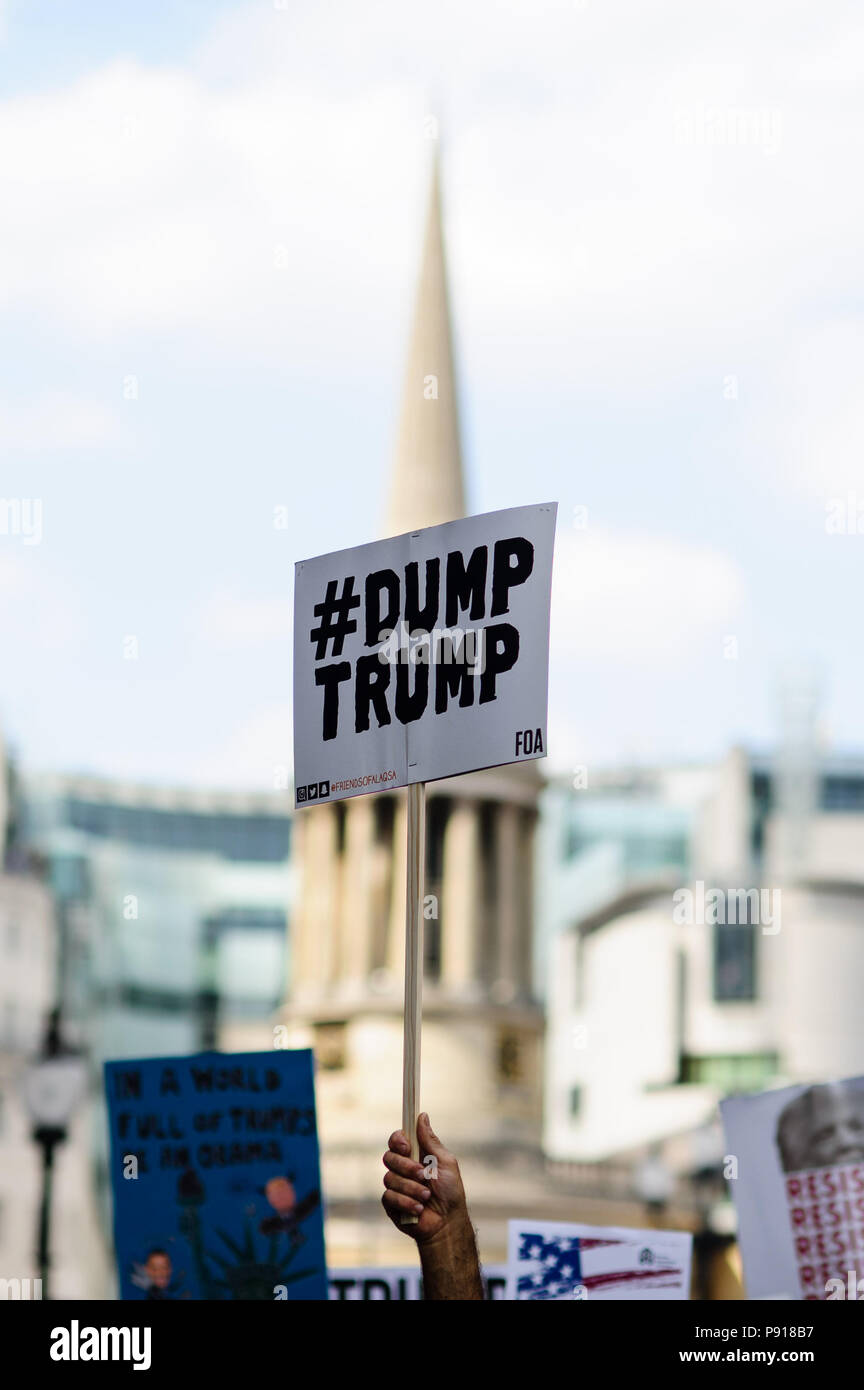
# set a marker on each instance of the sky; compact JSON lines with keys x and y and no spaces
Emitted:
{"x":211,"y":230}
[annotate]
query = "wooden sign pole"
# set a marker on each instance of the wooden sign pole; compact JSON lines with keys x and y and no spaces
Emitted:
{"x":413,"y":968}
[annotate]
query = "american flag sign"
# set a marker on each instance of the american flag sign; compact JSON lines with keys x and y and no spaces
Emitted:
{"x":563,"y":1261}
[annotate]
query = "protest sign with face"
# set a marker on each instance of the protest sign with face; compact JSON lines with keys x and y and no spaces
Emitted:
{"x":422,"y":656}
{"x":799,"y":1189}
{"x":214,"y":1169}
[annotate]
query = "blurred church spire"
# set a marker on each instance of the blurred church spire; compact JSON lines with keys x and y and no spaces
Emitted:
{"x":427,"y":486}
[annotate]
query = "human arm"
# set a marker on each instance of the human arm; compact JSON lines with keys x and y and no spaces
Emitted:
{"x":443,"y":1230}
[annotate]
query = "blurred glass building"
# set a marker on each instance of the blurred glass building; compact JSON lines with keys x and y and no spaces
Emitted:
{"x":173,"y":911}
{"x":623,"y":829}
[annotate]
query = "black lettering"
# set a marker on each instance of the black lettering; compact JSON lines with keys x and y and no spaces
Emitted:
{"x":373,"y":678}
{"x":370,"y":1284}
{"x":501,"y":654}
{"x":409,"y":707}
{"x":169,"y":1082}
{"x":172,"y":1158}
{"x":466,"y":583}
{"x":451,"y":676}
{"x":151,"y":1127}
{"x":416,"y":617}
{"x":376,"y":583}
{"x":203,"y":1121}
{"x":505,"y":576}
{"x":342,"y":1285}
{"x":127,"y":1084}
{"x":330,"y":677}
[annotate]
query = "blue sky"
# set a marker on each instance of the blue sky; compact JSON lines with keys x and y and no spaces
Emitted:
{"x":654,"y":234}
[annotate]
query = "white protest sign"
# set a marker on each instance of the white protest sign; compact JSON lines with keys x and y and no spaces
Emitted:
{"x":371,"y":1285}
{"x":422,"y":656}
{"x":557,"y":1261}
{"x":796,"y":1164}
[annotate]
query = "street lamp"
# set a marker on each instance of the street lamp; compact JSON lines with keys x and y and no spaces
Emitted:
{"x":52,"y":1088}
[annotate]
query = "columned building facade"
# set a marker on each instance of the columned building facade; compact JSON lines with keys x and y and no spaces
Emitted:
{"x":348,"y":944}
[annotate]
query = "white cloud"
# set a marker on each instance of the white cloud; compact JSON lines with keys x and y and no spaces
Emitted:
{"x":266,"y":197}
{"x":260,"y":206}
{"x":637,"y":668}
{"x":196,"y":209}
{"x":257,"y":754}
{"x":58,"y":420}
{"x":226,"y":622}
{"x":820,"y":420}
{"x":634,"y":600}
{"x":43,"y":625}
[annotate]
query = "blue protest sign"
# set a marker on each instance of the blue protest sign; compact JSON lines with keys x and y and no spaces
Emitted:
{"x":215,"y":1174}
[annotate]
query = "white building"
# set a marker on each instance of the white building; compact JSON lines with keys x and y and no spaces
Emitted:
{"x":656,"y":1010}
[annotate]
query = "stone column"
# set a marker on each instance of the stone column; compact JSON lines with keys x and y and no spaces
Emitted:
{"x":355,"y":915}
{"x":507,"y":868}
{"x":527,"y":822}
{"x":462,"y":885}
{"x":396,"y":934}
{"x":314,"y":924}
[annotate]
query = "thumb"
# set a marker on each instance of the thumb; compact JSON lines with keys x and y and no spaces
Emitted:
{"x":427,"y":1138}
